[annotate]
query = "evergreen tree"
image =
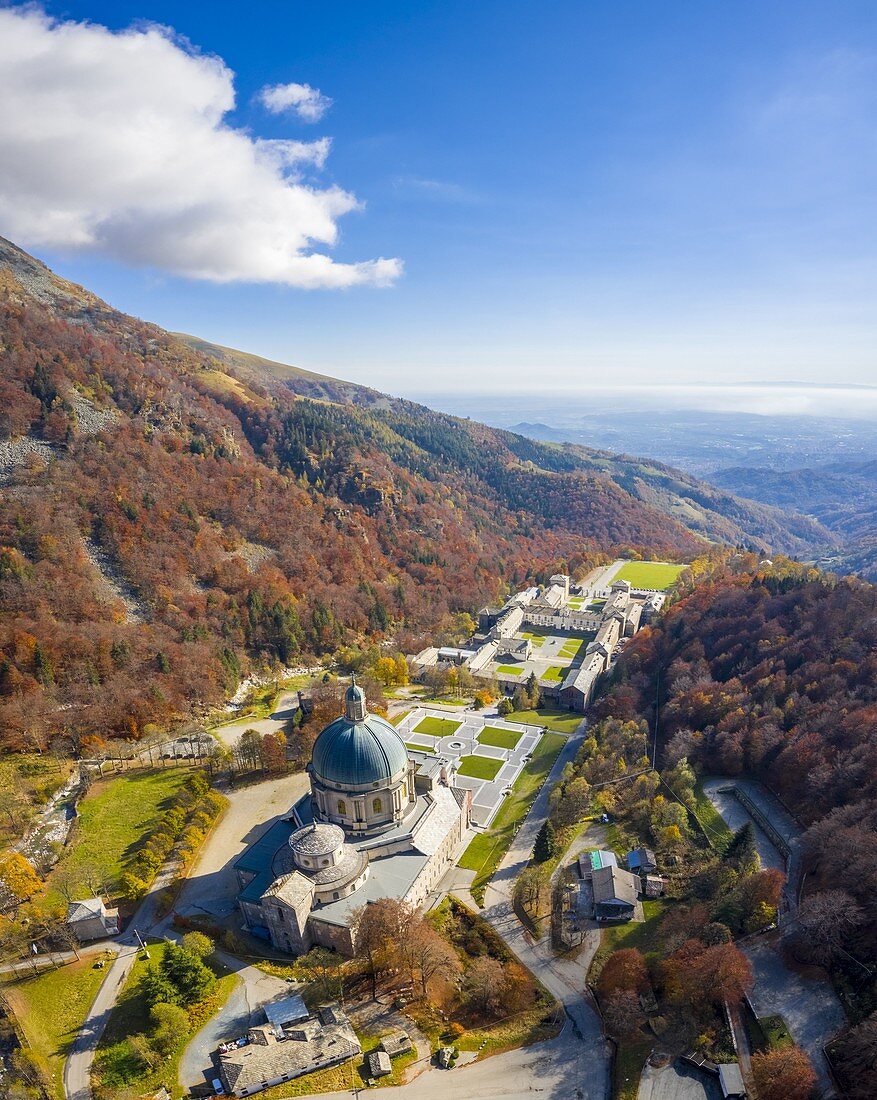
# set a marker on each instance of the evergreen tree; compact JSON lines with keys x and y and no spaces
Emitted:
{"x":546,"y":843}
{"x":187,"y":974}
{"x":158,"y":988}
{"x":742,"y":850}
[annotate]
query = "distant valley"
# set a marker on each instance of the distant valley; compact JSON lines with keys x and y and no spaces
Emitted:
{"x":821,"y":467}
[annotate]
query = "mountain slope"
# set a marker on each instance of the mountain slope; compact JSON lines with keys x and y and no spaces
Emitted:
{"x":170,"y":514}
{"x":842,"y":496}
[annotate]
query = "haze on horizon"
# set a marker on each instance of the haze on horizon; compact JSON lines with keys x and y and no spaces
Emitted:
{"x":476,"y":199}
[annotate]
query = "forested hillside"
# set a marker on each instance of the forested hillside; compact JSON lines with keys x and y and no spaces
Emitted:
{"x":166,"y":518}
{"x":842,"y":496}
{"x":773,"y":673}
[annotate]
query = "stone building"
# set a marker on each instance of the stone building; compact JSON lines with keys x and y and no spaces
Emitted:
{"x":379,"y":821}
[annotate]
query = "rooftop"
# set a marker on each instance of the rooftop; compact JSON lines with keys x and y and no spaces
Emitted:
{"x":614,"y":884}
{"x":307,"y":1047}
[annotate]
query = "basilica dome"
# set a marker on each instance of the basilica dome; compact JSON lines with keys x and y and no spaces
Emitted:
{"x":358,"y":750}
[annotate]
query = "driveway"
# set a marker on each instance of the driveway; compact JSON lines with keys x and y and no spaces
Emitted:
{"x":211,"y":887}
{"x":243,"y":1008}
{"x":563,"y":976}
{"x":677,"y":1082}
{"x":287,"y":705}
{"x":808,"y":1005}
{"x":557,"y":1070}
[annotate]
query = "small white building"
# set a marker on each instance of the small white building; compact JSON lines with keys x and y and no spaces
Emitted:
{"x":91,"y":920}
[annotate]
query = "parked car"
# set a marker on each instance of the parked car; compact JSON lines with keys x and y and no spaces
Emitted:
{"x":218,"y":1087}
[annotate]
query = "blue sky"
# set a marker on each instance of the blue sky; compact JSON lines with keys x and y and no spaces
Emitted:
{"x":625,"y":192}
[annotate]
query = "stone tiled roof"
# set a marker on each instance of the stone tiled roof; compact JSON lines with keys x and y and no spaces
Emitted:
{"x":293,"y":889}
{"x":250,"y":1068}
{"x":317,"y":839}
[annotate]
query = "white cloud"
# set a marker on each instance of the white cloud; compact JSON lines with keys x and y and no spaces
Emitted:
{"x":308,"y":103}
{"x":115,"y":143}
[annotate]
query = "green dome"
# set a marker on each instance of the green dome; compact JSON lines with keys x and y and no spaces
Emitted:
{"x":357,"y":754}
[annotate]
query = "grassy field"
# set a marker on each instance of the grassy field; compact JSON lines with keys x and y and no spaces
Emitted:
{"x":113,"y":819}
{"x":499,"y":738}
{"x":509,"y":670}
{"x":645,"y":936}
{"x":561,"y":721}
{"x":437,"y":727}
{"x":571,"y":647}
{"x":419,"y":748}
{"x":554,"y":674}
{"x":115,"y":1066}
{"x":51,"y":1008}
{"x":487,"y":849}
{"x":479,"y":767}
{"x":654,"y":575}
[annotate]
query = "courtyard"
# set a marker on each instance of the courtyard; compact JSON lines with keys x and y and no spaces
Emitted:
{"x":489,"y":752}
{"x":552,"y":654}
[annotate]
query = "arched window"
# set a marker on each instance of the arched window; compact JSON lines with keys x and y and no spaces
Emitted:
{"x":342,"y":806}
{"x":377,"y":806}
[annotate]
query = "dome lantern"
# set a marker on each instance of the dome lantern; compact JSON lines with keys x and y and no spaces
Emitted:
{"x":354,"y":703}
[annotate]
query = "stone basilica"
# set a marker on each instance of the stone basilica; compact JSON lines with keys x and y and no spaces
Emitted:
{"x":380,"y":821}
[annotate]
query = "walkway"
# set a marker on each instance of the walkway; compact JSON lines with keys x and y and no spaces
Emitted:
{"x":564,"y":977}
{"x":809,"y":1005}
{"x":287,"y":705}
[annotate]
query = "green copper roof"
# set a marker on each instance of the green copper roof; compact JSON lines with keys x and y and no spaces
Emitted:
{"x":358,"y":753}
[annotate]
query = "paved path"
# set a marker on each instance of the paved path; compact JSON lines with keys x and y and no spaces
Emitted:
{"x":564,"y":977}
{"x":211,"y":886}
{"x":809,"y":1005}
{"x":286,"y":706}
{"x":677,"y":1082}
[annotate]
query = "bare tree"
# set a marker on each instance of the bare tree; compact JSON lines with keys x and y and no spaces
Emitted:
{"x":486,"y":983}
{"x":430,"y":954}
{"x":825,"y":922}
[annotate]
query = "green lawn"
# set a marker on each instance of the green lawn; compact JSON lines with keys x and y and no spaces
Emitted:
{"x":554,"y":674}
{"x":645,"y":936}
{"x":561,"y":721}
{"x":418,"y":748}
{"x":654,"y":575}
{"x":509,"y":670}
{"x":776,"y":1033}
{"x":712,"y":821}
{"x":499,"y":738}
{"x":479,"y":767}
{"x":51,"y":1008}
{"x":116,"y":1069}
{"x":629,"y":1061}
{"x":575,"y":602}
{"x":113,"y":820}
{"x":437,"y":727}
{"x":487,"y":849}
{"x":571,"y":648}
